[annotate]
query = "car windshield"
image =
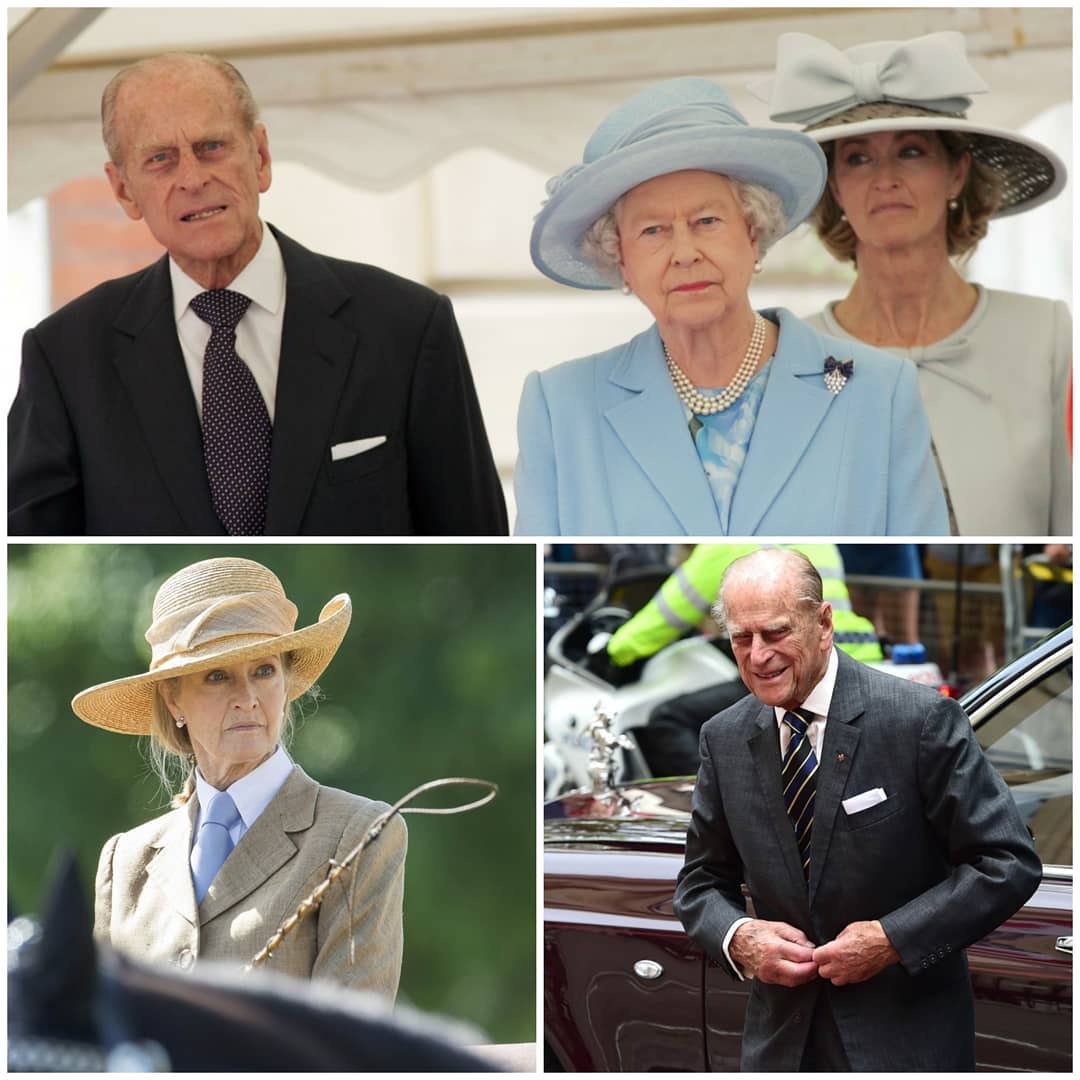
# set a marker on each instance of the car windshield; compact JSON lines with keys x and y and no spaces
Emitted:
{"x":1029,"y":740}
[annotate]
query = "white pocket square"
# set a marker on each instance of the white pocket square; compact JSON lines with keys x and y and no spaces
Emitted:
{"x":864,"y":801}
{"x":356,"y":446}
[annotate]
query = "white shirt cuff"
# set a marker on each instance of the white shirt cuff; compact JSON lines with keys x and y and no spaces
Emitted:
{"x":727,"y":941}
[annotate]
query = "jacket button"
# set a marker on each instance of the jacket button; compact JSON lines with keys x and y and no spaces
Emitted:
{"x":796,"y":1016}
{"x":933,"y":959}
{"x":924,"y":962}
{"x":184,"y":959}
{"x":948,"y":948}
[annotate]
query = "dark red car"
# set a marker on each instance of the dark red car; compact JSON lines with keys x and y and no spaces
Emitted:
{"x":626,"y":990}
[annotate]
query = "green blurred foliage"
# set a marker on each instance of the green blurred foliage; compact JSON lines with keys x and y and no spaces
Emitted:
{"x":436,"y":677}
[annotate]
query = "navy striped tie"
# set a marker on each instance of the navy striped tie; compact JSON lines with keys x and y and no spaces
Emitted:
{"x":799,"y":778}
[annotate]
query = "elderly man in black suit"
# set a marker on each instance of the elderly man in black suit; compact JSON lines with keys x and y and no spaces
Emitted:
{"x":875,"y":839}
{"x":242,"y":384}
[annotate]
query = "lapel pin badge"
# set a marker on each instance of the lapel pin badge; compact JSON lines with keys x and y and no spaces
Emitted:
{"x":837,"y":373}
{"x":839,"y":757}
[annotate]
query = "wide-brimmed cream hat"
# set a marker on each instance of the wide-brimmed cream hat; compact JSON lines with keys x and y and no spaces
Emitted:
{"x":924,"y":84}
{"x":219,"y":611}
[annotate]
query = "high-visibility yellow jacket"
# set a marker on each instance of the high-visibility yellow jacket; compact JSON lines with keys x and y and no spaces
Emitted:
{"x":689,"y":593}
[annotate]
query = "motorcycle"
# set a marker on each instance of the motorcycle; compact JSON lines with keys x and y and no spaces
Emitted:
{"x":580,"y":679}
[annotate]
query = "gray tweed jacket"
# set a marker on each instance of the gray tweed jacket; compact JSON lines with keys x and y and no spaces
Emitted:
{"x":941,"y":862}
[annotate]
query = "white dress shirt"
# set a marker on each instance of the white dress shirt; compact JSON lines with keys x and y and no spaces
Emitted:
{"x":817,"y":702}
{"x":258,"y":334}
{"x":251,"y":793}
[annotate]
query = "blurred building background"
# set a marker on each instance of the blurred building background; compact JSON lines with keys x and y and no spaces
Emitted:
{"x":421,"y":139}
{"x":435,"y":678}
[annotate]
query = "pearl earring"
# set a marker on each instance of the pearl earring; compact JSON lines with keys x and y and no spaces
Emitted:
{"x":757,"y":266}
{"x":843,"y":216}
{"x":180,"y":721}
{"x":953,"y":204}
{"x":625,"y":289}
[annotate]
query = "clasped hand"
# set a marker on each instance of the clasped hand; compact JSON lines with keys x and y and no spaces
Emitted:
{"x":775,"y":952}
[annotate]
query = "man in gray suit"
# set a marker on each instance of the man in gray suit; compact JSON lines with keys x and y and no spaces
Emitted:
{"x":875,"y":840}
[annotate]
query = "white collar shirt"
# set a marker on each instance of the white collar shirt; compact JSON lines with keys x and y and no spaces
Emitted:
{"x":258,"y":334}
{"x":251,"y":793}
{"x":817,"y":702}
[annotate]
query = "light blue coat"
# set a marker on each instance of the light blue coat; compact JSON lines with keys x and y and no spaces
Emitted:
{"x":604,"y":448}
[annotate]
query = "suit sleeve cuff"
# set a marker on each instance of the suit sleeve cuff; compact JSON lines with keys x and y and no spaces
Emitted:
{"x":727,"y":941}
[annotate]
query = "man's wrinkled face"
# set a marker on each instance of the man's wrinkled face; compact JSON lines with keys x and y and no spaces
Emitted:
{"x":781,"y":643}
{"x":191,"y":169}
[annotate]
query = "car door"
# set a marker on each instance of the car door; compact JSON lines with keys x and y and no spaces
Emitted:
{"x":1022,"y":972}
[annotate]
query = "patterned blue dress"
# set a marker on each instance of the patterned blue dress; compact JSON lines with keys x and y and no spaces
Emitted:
{"x":722,"y":440}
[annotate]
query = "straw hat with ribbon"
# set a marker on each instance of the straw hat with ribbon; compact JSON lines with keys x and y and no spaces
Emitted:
{"x":919,"y":85}
{"x":212,"y":613}
{"x":686,"y":123}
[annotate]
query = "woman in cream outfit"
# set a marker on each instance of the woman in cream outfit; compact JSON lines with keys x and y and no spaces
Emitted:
{"x":912,"y":183}
{"x":199,"y":882}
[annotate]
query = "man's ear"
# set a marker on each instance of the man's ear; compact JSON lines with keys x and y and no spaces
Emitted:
{"x":121,"y":192}
{"x":825,"y":619}
{"x":262,"y":150}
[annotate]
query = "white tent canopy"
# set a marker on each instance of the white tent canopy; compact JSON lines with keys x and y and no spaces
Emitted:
{"x":374,"y":97}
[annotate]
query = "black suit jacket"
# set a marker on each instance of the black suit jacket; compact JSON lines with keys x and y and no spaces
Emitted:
{"x":941,"y":862}
{"x":104,"y":437}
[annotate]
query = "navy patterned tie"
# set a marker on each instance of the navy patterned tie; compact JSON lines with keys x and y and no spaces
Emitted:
{"x":799,"y":779}
{"x":236,"y":425}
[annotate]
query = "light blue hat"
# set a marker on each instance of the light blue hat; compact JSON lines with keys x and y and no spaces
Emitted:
{"x":687,"y":123}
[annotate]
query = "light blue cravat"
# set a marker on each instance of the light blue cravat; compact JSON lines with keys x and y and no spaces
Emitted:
{"x":214,"y":843}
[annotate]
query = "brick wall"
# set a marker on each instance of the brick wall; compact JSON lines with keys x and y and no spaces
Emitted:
{"x":91,"y":239}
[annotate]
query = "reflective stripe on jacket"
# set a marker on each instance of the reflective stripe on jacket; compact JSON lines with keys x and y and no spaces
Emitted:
{"x":685,"y":599}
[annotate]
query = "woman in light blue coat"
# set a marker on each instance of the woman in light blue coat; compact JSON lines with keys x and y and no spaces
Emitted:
{"x":718,"y":420}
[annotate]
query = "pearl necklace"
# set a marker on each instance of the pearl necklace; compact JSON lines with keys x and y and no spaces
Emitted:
{"x":705,"y":405}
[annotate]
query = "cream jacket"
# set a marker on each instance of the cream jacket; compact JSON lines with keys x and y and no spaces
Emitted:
{"x":145,"y":899}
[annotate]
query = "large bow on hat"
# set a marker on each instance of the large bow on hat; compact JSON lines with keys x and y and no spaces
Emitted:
{"x":814,"y":80}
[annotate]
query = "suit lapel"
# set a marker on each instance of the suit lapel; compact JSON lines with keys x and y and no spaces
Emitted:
{"x":265,"y":847}
{"x":764,"y":746}
{"x":170,"y":867}
{"x":792,"y":409}
{"x":841,"y":740}
{"x":316,"y":355}
{"x":150,"y":365}
{"x":639,"y":401}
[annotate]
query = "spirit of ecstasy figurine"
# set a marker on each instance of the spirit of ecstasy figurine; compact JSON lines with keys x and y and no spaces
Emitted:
{"x":602,"y":755}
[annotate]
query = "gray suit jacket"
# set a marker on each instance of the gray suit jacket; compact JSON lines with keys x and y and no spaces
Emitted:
{"x":145,"y":900}
{"x":942,"y":862}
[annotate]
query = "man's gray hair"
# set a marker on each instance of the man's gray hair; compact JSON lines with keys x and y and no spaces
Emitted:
{"x":762,"y":209}
{"x":245,"y":102}
{"x":765,"y":563}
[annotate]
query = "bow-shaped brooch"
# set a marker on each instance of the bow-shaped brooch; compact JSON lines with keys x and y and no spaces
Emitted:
{"x":837,"y":373}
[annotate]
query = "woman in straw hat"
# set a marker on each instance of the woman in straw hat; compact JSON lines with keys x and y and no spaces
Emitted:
{"x":718,"y":419}
{"x":913,"y":183}
{"x":250,"y":834}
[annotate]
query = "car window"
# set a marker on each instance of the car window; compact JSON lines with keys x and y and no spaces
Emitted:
{"x":1029,"y":741}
